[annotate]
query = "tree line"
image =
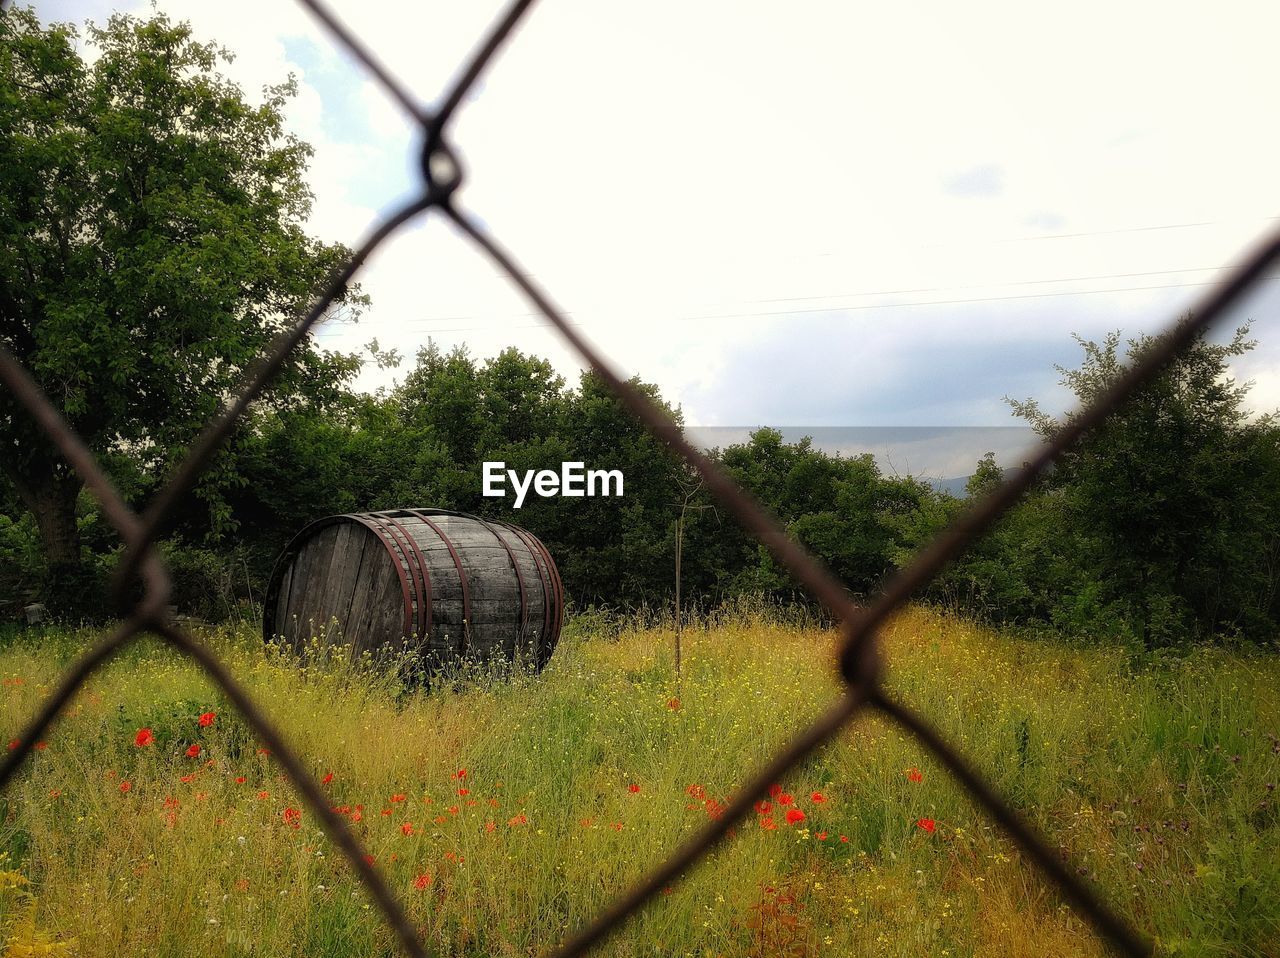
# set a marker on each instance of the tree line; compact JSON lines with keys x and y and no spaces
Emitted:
{"x":1162,"y":526}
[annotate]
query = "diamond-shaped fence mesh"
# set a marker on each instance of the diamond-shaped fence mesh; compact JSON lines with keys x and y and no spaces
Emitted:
{"x":859,"y":661}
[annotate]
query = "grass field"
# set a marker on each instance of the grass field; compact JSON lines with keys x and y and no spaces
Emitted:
{"x":507,"y":813}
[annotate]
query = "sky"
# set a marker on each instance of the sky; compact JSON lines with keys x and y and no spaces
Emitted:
{"x":806,"y":215}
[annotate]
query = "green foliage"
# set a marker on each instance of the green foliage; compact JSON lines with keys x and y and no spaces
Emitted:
{"x":151,"y":246}
{"x":422,"y":442}
{"x":22,"y":566}
{"x":1162,"y":525}
{"x":840,"y":508}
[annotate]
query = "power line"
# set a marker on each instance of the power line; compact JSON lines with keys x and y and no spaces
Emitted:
{"x":530,"y":274}
{"x":1025,"y":282}
{"x":1132,"y":229}
{"x":1025,"y":238}
{"x":843,"y":308}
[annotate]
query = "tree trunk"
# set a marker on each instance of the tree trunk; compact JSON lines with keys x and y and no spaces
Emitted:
{"x":54,"y":506}
{"x":52,"y":500}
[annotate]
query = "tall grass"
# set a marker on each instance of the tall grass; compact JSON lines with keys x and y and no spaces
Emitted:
{"x":1155,"y":779}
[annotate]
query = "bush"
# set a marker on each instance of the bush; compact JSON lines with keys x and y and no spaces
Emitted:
{"x":22,"y":565}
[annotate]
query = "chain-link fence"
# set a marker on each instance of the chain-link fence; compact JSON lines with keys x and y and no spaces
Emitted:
{"x":859,"y":661}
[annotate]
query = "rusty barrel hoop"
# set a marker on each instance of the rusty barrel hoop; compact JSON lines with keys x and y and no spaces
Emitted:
{"x":425,"y":516}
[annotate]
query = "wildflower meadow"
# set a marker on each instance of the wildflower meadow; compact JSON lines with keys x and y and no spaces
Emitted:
{"x":507,"y":812}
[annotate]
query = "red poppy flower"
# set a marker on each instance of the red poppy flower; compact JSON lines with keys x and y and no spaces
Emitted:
{"x":616,"y":826}
{"x":207,"y":719}
{"x":291,"y":816}
{"x":54,"y":793}
{"x":421,"y":882}
{"x":764,"y":808}
{"x":144,"y":737}
{"x":357,"y":816}
{"x":239,"y":779}
{"x":397,"y":797}
{"x":697,"y":791}
{"x":768,"y":824}
{"x":187,"y":779}
{"x":633,"y":788}
{"x":452,"y":809}
{"x":264,"y":794}
{"x":775,"y":791}
{"x":844,"y":838}
{"x":794,"y":815}
{"x":914,"y":775}
{"x":193,"y":751}
{"x":406,"y":828}
{"x":673,"y":704}
{"x":464,"y":791}
{"x":460,"y":773}
{"x":928,"y":824}
{"x":41,"y":746}
{"x":785,"y":799}
{"x":822,"y":836}
{"x":13,"y":744}
{"x":124,"y":787}
{"x":817,"y":798}
{"x":490,"y":826}
{"x":327,"y":779}
{"x":201,"y":796}
{"x":518,"y":820}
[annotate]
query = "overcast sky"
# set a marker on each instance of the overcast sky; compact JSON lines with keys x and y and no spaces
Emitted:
{"x":801,"y":214}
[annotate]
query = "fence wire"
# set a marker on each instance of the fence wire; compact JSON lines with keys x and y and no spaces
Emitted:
{"x":859,"y":661}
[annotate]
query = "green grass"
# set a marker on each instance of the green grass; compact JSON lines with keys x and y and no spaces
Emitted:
{"x":1156,"y":779}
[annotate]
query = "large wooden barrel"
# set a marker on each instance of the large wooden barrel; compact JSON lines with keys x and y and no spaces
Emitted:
{"x":449,"y":585}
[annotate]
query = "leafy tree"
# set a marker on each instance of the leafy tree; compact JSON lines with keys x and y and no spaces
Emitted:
{"x":151,"y":245}
{"x":617,"y":548}
{"x":1171,"y":505}
{"x":841,"y":508}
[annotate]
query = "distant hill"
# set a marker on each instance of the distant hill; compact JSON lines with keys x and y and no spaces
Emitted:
{"x":957,"y":485}
{"x":954,"y":486}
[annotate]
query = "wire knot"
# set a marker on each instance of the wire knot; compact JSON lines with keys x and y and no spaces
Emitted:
{"x":860,"y":662}
{"x":440,"y":168}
